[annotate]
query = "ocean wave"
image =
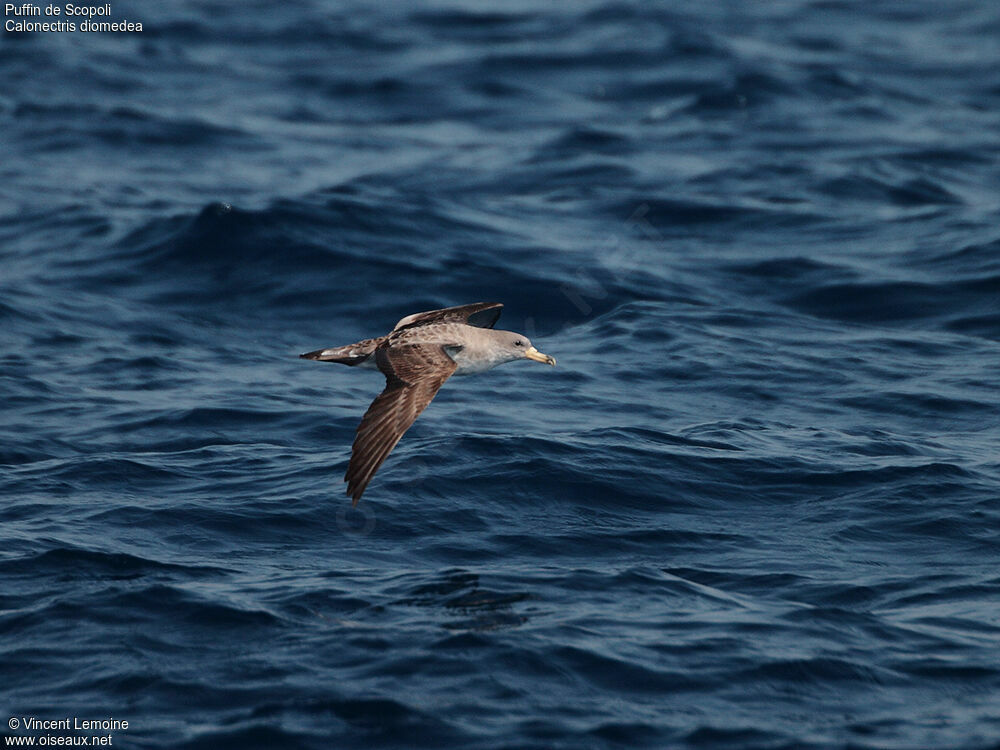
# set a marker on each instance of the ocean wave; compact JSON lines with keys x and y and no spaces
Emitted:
{"x":761,"y":244}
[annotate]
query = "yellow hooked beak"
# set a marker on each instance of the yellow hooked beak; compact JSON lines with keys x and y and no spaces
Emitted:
{"x":533,"y":353}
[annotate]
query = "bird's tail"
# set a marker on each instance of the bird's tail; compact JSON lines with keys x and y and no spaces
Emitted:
{"x":352,"y":354}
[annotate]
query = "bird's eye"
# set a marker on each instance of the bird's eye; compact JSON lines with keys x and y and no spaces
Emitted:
{"x":518,"y":343}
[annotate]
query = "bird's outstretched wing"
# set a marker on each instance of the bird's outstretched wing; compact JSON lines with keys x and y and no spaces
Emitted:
{"x":413,"y":375}
{"x":478,"y":314}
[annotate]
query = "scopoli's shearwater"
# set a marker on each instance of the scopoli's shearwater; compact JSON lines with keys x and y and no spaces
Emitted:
{"x":416,"y":357}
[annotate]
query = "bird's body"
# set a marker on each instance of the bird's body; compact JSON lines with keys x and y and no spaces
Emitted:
{"x":417,"y":357}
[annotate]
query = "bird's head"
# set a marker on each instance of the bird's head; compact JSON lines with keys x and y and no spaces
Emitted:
{"x":519,"y":347}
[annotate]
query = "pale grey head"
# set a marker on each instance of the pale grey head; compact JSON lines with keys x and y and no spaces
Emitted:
{"x":484,"y":349}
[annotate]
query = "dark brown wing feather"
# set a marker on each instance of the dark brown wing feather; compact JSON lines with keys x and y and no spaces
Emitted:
{"x":479,"y":314}
{"x":413,"y":375}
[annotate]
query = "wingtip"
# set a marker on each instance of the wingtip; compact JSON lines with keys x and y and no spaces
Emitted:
{"x":353,"y":491}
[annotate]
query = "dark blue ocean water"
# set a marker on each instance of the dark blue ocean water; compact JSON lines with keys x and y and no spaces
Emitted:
{"x":757,"y":503}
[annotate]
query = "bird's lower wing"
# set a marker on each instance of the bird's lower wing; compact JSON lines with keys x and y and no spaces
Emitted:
{"x":413,"y":375}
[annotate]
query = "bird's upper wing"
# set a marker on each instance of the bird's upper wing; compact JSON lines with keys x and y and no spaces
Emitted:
{"x":479,"y":314}
{"x":413,"y":375}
